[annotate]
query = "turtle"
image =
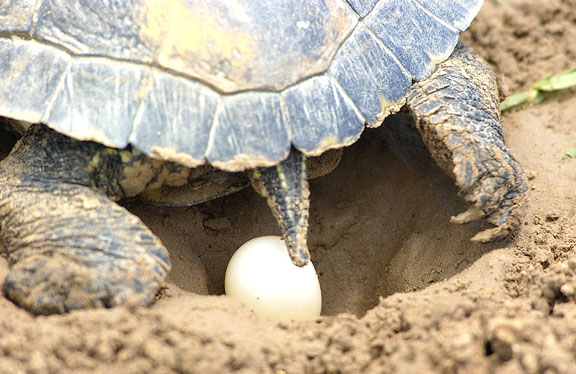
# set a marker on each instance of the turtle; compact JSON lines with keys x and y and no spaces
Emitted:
{"x":131,"y":97}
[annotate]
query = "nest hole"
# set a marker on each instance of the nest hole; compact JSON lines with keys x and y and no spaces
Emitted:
{"x":379,"y":225}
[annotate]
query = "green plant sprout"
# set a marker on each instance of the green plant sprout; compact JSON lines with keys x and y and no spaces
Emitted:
{"x":536,"y":93}
{"x":569,"y":152}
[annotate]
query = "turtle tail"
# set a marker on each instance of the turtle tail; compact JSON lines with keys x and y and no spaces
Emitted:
{"x":285,"y":187}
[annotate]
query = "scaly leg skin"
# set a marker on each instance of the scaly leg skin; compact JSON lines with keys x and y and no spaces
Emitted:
{"x":285,"y":187}
{"x":456,"y":112}
{"x":71,"y":247}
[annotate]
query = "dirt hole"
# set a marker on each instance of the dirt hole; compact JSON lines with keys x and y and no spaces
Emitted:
{"x":368,"y":240}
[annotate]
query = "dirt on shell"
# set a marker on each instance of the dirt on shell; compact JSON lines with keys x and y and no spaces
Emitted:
{"x":404,"y":290}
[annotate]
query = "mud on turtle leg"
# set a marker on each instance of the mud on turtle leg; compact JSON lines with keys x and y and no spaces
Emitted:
{"x":69,"y":245}
{"x":456,"y":112}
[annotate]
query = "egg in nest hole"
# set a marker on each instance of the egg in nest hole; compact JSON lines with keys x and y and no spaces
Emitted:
{"x":261,"y":275}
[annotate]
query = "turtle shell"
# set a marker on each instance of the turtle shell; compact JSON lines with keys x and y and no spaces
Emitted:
{"x":235,"y":83}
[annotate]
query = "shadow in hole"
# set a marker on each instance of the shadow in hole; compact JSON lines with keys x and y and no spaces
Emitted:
{"x":8,"y":137}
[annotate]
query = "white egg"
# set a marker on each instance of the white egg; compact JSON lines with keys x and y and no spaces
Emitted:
{"x":261,"y":275}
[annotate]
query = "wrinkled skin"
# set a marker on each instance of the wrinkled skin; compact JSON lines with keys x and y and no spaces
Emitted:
{"x":72,"y":247}
{"x":456,"y":110}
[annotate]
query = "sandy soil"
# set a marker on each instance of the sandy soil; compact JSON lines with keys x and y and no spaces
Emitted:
{"x":404,"y":290}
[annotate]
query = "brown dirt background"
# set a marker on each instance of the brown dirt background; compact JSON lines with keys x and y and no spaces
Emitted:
{"x":404,"y":290}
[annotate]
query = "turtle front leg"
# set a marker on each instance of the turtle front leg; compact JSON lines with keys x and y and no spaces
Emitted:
{"x":285,"y":187}
{"x":457,"y":113}
{"x":70,"y":246}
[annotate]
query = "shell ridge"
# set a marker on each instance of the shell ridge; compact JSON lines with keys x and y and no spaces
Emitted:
{"x":286,"y":116}
{"x":362,"y":7}
{"x":35,"y":16}
{"x":365,"y":66}
{"x":434,"y":16}
{"x":390,"y":52}
{"x":337,"y":86}
{"x":212,"y":132}
{"x":59,"y":87}
{"x":458,"y":15}
{"x":137,"y":121}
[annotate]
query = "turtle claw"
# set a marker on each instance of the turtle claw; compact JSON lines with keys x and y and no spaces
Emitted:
{"x":493,"y":181}
{"x":472,"y":214}
{"x":503,"y":213}
{"x":503,"y":217}
{"x":493,"y":234}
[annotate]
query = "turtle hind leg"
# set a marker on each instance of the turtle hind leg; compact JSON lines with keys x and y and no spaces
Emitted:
{"x":456,"y":111}
{"x":285,"y":187}
{"x":71,"y":247}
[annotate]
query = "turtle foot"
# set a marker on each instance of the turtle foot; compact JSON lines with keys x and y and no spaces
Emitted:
{"x":70,"y":248}
{"x":49,"y":284}
{"x":69,"y":245}
{"x":456,"y":112}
